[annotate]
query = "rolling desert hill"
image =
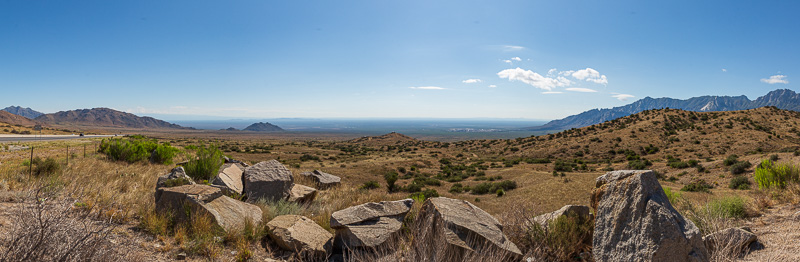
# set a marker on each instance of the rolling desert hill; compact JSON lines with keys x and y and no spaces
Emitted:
{"x":23,"y":111}
{"x":781,"y":98}
{"x":103,"y":117}
{"x":392,"y":138}
{"x":12,"y":119}
{"x":262,"y":127}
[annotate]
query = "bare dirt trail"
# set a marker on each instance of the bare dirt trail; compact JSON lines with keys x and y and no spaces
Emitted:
{"x":778,"y":232}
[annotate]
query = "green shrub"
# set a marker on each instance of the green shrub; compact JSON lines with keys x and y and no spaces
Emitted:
{"x":775,"y":175}
{"x":137,"y":149}
{"x":369,"y":185}
{"x":563,"y":240}
{"x":307,"y":157}
{"x":740,"y":167}
{"x":500,"y":192}
{"x":672,"y":196}
{"x":489,"y":187}
{"x":413,"y":188}
{"x":698,"y":186}
{"x":639,"y":164}
{"x":425,"y":194}
{"x":456,"y":188}
{"x":730,"y":160}
{"x":739,"y":182}
{"x":176,"y":182}
{"x":48,"y":166}
{"x":391,"y":178}
{"x":206,"y":165}
{"x":727,"y":207}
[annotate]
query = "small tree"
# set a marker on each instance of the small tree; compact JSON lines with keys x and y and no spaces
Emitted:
{"x":391,"y":178}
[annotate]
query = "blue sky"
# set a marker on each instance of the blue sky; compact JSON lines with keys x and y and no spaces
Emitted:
{"x":431,"y":59}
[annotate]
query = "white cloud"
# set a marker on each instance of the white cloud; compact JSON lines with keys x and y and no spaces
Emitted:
{"x":427,"y":87}
{"x":552,"y":72}
{"x":581,"y":89}
{"x":552,"y":92}
{"x":507,"y":61}
{"x":776,"y":79}
{"x":622,"y":97}
{"x":590,"y":75}
{"x":471,"y":81}
{"x":516,"y":58}
{"x":534,"y":79}
{"x":492,"y":86}
{"x":513,"y":48}
{"x":724,"y":70}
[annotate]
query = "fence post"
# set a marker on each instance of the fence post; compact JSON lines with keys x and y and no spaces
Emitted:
{"x":30,"y":165}
{"x":67,"y":155}
{"x":84,"y":150}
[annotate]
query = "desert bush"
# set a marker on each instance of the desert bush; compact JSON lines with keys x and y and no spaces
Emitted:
{"x":46,"y":229}
{"x":206,"y":165}
{"x":563,"y":239}
{"x":489,"y":187}
{"x":672,"y":196}
{"x":456,"y":188}
{"x":775,"y":175}
{"x":307,"y":157}
{"x":425,"y":194}
{"x":48,"y":166}
{"x":739,"y":167}
{"x":739,"y":182}
{"x":391,"y":178}
{"x":137,"y":149}
{"x":698,"y":186}
{"x":639,"y":164}
{"x":730,"y":160}
{"x":369,"y":185}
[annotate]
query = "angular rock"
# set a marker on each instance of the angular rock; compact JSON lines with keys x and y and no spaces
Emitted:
{"x":269,"y":180}
{"x":300,"y":235}
{"x":369,"y":225}
{"x":302,"y":194}
{"x":234,"y":161}
{"x":581,"y":212}
{"x":370,"y":211}
{"x":455,"y":230}
{"x":230,"y":176}
{"x":634,"y":221}
{"x":732,"y":241}
{"x":172,"y":178}
{"x":323,"y":180}
{"x":226,"y":212}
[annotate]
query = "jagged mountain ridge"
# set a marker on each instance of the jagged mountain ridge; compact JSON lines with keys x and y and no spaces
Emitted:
{"x":103,"y":117}
{"x":780,"y":98}
{"x":23,"y":111}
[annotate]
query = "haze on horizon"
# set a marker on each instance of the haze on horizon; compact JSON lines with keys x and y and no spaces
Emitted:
{"x":388,"y":59}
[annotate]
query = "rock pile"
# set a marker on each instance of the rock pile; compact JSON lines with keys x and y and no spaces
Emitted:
{"x":268,"y":180}
{"x":369,"y":225}
{"x":301,"y":235}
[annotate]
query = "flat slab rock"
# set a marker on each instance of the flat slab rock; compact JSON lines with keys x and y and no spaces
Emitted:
{"x":175,"y":173}
{"x":226,"y":212}
{"x":634,"y":221}
{"x":322,"y":179}
{"x":268,"y":180}
{"x":300,"y":235}
{"x":370,"y":211}
{"x":230,"y":176}
{"x":302,"y":194}
{"x":456,"y":229}
{"x":732,"y":240}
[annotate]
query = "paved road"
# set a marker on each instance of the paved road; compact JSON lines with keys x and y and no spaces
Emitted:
{"x":20,"y":138}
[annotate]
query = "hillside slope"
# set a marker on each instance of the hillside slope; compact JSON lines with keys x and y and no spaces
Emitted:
{"x":23,"y":111}
{"x":781,"y":98}
{"x":12,"y":119}
{"x":262,"y":127}
{"x":103,"y":117}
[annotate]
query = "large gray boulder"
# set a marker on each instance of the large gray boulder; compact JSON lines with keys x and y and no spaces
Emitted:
{"x":230,"y":176}
{"x":323,"y":180}
{"x":456,"y":230}
{"x":176,"y":176}
{"x":634,"y":221}
{"x":268,"y":180}
{"x":302,"y":194}
{"x":731,"y":241}
{"x":226,"y":212}
{"x":300,"y":235}
{"x":581,"y":212}
{"x":371,"y":225}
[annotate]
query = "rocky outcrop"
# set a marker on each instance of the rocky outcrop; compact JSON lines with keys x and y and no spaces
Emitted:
{"x":226,"y":212}
{"x":300,"y":235}
{"x":455,"y":230}
{"x":731,"y":241}
{"x":582,"y":212}
{"x":230,"y":176}
{"x":302,"y":194}
{"x":234,"y":161}
{"x":369,"y":225}
{"x":634,"y":221}
{"x":176,"y":177}
{"x":269,"y":180}
{"x":323,"y":180}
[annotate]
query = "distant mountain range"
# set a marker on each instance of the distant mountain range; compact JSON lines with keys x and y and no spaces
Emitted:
{"x":103,"y":117}
{"x":23,"y":111}
{"x":781,"y":98}
{"x":263,"y":127}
